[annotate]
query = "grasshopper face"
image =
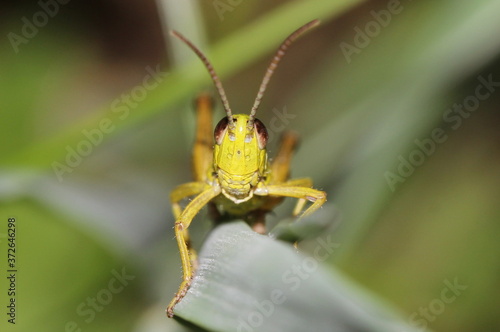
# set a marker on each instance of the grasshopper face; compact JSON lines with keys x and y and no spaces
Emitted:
{"x":240,"y":156}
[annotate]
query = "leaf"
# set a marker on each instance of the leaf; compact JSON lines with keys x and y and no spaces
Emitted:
{"x":249,"y":282}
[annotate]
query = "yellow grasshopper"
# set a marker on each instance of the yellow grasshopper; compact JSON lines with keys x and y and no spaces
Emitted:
{"x":233,"y":173}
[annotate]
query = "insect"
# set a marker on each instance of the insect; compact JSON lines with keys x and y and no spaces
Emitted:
{"x":232,"y":173}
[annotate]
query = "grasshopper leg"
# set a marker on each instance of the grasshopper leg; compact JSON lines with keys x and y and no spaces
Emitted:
{"x":181,"y":225}
{"x":280,"y":167}
{"x":282,"y":187}
{"x":184,"y":191}
{"x":301,"y":202}
{"x":292,"y":189}
{"x":280,"y":171}
{"x":202,"y":162}
{"x":179,"y":193}
{"x":204,"y":141}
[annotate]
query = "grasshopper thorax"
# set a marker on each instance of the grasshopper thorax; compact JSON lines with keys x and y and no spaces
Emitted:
{"x":240,"y":157}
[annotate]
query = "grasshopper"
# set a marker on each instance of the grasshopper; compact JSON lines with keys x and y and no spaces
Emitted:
{"x":232,"y":173}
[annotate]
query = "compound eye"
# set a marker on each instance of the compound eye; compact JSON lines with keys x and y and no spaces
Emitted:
{"x":260,"y":133}
{"x":220,"y":130}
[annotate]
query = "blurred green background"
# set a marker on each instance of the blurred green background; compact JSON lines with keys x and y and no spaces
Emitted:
{"x":396,"y":103}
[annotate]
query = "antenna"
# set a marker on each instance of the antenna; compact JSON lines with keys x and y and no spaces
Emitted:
{"x":212,"y":73}
{"x":274,"y":63}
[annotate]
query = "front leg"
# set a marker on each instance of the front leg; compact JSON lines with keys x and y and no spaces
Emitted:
{"x":181,"y":234}
{"x":298,"y":189}
{"x":184,"y":191}
{"x":181,"y":192}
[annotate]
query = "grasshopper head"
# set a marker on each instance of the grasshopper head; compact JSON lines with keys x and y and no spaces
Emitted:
{"x":240,"y":157}
{"x":241,"y":150}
